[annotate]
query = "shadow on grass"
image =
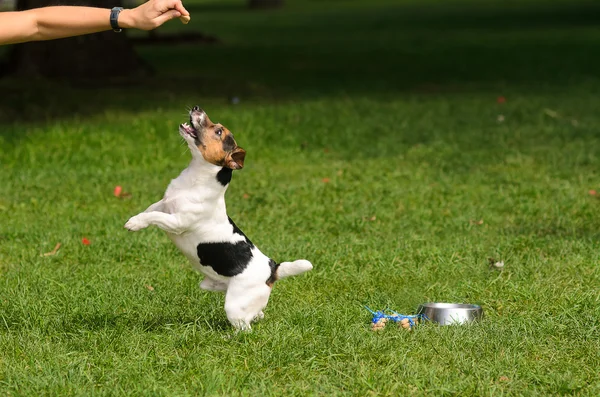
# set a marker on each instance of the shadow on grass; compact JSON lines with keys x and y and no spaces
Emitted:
{"x":210,"y":319}
{"x":155,"y":323}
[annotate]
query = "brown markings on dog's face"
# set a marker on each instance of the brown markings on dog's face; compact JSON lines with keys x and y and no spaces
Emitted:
{"x":216,"y":143}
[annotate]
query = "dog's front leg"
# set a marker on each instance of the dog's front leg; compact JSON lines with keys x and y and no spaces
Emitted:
{"x":168,"y":222}
{"x":158,"y":206}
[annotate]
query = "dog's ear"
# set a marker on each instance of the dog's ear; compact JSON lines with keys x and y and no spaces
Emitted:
{"x":235,"y":159}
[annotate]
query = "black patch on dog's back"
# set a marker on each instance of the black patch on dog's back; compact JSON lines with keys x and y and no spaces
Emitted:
{"x":224,"y":177}
{"x":237,"y":230}
{"x":226,"y":259}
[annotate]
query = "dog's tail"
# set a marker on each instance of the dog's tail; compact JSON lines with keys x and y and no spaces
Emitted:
{"x":287,"y":269}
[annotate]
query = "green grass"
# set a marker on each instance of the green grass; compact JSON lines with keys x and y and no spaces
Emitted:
{"x":396,"y":105}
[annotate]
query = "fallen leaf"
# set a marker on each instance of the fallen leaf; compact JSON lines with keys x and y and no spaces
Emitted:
{"x":474,"y":222}
{"x":592,"y":192}
{"x":150,"y":288}
{"x":503,"y":378}
{"x":85,"y":241}
{"x":495,"y":264}
{"x":54,"y":251}
{"x":246,"y":196}
{"x":325,"y":180}
{"x":119,"y":193}
{"x":501,"y":99}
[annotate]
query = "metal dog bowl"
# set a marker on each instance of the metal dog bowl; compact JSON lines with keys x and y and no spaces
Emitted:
{"x":450,"y":313}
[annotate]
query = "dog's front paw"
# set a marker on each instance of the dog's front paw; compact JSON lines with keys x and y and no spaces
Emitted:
{"x":136,"y":223}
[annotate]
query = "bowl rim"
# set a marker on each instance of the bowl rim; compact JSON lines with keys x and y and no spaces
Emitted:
{"x":449,"y":306}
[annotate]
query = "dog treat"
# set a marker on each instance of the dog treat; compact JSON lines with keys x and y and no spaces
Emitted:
{"x":380,"y":318}
{"x":185,"y":19}
{"x":379,"y":325}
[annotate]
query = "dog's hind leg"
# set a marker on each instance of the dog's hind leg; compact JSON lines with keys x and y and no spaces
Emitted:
{"x":244,"y":304}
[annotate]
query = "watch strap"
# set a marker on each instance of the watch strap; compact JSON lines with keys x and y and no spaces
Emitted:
{"x":114,"y":18}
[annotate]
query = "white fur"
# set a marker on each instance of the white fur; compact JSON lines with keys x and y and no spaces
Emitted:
{"x":287,"y":269}
{"x":193,"y":211}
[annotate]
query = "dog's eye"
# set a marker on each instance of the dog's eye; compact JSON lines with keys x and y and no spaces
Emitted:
{"x":218,"y":131}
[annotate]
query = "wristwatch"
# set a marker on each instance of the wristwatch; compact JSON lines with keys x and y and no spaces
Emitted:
{"x":114,"y":19}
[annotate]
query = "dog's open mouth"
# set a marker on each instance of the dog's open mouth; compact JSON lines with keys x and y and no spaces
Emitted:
{"x":188,"y":130}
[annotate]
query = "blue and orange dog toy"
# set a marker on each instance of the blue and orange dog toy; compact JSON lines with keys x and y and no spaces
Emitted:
{"x":380,"y":319}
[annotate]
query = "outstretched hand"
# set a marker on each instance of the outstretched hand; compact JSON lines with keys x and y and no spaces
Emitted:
{"x":49,"y":23}
{"x":154,"y":13}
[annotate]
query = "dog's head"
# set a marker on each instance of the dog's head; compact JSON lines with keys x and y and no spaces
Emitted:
{"x":213,"y":142}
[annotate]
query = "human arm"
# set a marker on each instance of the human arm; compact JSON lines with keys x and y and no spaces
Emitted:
{"x":65,"y":21}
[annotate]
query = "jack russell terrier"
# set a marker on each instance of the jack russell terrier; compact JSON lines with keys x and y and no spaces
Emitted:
{"x":193,"y":214}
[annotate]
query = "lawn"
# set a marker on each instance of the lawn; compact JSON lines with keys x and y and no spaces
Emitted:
{"x":379,"y":148}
